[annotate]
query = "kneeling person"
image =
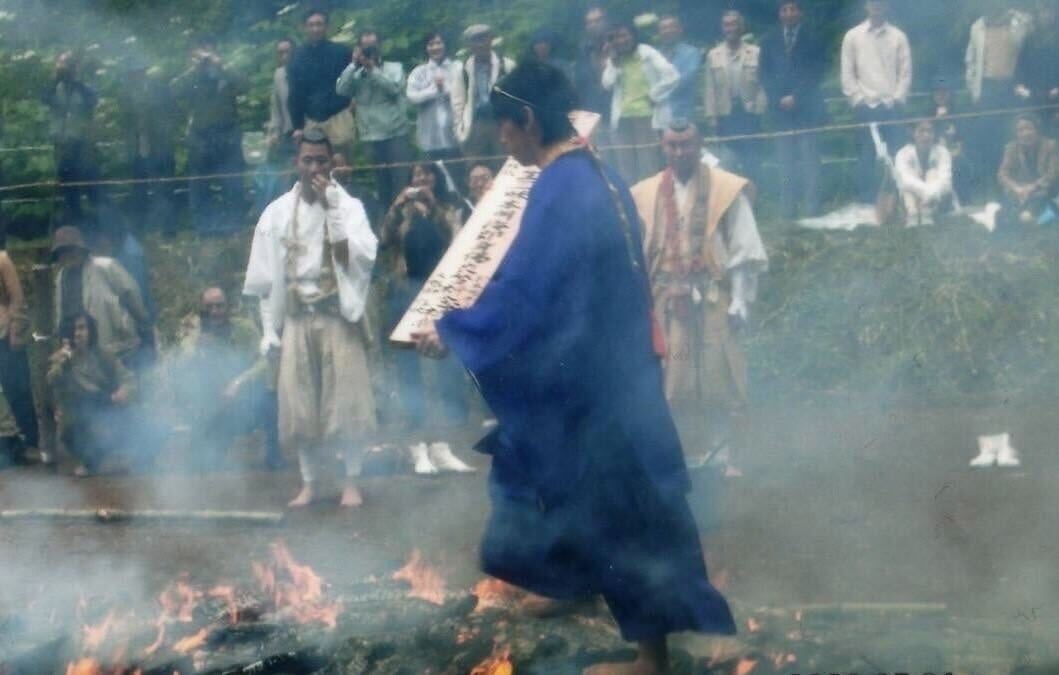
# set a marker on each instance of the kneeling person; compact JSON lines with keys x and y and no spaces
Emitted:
{"x":222,"y":384}
{"x":310,"y":264}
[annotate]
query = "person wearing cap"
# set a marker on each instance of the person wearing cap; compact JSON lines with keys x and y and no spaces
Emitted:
{"x":100,"y":287}
{"x":310,"y":266}
{"x":704,"y":255}
{"x":475,"y":128}
{"x":16,"y":394}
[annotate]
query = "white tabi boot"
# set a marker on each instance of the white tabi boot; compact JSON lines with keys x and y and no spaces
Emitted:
{"x":1007,"y":455}
{"x":988,"y":447}
{"x":441,"y":456}
{"x":423,"y":465}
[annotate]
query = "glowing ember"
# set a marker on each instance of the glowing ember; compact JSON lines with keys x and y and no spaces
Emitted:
{"x":497,"y":664}
{"x":227,"y":593}
{"x":92,"y":637}
{"x":494,"y":594}
{"x":427,"y":584}
{"x":178,"y":601}
{"x":753,"y":625}
{"x":295,"y":589}
{"x":191,"y":643}
{"x":744,"y":666}
{"x":84,"y":667}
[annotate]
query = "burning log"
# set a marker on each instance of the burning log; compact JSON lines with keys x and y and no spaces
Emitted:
{"x":150,"y":515}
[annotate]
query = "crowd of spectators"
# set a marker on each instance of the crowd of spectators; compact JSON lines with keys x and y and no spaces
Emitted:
{"x":432,"y":141}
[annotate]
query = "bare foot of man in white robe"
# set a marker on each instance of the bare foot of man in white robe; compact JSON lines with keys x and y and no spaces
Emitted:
{"x":351,"y":497}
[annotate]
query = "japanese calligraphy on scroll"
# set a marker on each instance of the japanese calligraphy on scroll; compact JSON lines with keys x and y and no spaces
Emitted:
{"x":480,"y":246}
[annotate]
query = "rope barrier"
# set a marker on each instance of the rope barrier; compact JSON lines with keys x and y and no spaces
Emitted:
{"x":905,"y":121}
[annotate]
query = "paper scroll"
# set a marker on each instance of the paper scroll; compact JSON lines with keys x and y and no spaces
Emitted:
{"x":480,"y":246}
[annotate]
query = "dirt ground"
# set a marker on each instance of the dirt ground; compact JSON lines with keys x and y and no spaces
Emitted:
{"x":838,"y":504}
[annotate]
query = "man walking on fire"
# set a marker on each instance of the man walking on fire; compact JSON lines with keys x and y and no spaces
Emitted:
{"x":588,"y":480}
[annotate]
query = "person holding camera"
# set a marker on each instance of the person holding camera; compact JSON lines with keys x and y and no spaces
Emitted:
{"x":417,"y":231}
{"x":210,"y":89}
{"x":377,"y":89}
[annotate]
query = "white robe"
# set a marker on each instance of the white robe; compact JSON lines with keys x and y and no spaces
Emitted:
{"x":266,"y":273}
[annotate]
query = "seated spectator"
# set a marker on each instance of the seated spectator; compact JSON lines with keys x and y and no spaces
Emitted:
{"x":222,"y":385}
{"x":100,"y":287}
{"x":91,"y":390}
{"x":950,"y":133}
{"x":924,"y":176}
{"x":1028,"y":175}
{"x":415,"y":235}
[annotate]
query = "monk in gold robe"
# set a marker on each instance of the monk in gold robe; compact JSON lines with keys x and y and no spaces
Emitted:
{"x":704,"y":255}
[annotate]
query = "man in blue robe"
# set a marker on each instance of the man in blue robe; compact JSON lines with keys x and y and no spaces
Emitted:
{"x":588,"y":480}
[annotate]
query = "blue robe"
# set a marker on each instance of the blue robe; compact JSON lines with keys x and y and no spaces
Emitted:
{"x":588,"y":480}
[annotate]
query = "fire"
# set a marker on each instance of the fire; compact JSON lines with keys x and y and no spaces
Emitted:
{"x":497,"y":664}
{"x":294,"y":588}
{"x":93,"y":637}
{"x":84,"y":667}
{"x":227,"y":593}
{"x":745,"y":666}
{"x":493,"y":594}
{"x":427,"y":583}
{"x":178,"y":601}
{"x":191,"y":643}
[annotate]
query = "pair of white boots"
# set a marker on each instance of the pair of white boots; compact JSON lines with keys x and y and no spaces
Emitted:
{"x":996,"y":450}
{"x":437,"y":457}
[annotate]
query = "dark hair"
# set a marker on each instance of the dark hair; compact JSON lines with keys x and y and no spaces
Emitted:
{"x":1032,"y":118}
{"x":430,"y":37}
{"x":539,"y":86}
{"x":627,"y":24}
{"x":66,"y":328}
{"x":783,"y":3}
{"x":315,"y":137}
{"x":369,"y":31}
{"x":313,"y":11}
{"x":285,"y":39}
{"x":441,"y":185}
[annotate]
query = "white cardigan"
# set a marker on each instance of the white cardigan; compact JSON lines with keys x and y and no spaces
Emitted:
{"x":662,"y":78}
{"x":974,"y":59}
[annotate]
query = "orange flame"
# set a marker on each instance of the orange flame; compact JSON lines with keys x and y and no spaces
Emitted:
{"x":744,"y":666}
{"x":427,"y":583}
{"x":191,"y":643}
{"x":84,"y":667}
{"x":493,"y":594}
{"x":178,"y":601}
{"x":294,"y":588}
{"x":93,"y":637}
{"x":226,"y":593}
{"x":497,"y":664}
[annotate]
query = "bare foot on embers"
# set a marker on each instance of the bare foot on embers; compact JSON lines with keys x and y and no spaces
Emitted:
{"x":351,"y":497}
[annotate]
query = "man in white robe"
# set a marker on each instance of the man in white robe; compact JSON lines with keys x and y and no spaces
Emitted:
{"x":923,"y":170}
{"x":704,"y":255}
{"x":310,"y":264}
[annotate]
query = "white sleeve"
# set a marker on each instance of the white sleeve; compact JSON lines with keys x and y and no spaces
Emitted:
{"x":421,"y":87}
{"x":743,"y":241}
{"x":260,"y":266}
{"x":610,"y":75}
{"x":355,"y":277}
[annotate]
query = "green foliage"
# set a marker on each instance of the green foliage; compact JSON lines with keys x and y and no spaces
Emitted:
{"x":945,"y":313}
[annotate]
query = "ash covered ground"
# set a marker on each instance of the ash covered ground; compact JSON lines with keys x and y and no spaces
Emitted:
{"x":865,"y":524}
